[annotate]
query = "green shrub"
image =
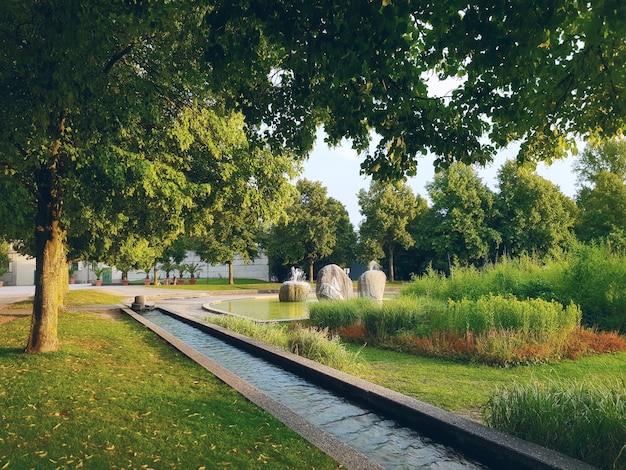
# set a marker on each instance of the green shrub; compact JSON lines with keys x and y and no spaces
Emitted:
{"x":392,"y":317}
{"x":581,"y":419}
{"x":596,"y":280}
{"x":335,"y":315}
{"x":523,"y":277}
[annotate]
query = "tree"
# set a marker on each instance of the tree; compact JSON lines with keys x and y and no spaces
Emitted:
{"x":462,"y":214}
{"x":601,"y":171}
{"x":544,"y":74}
{"x":603,"y":211}
{"x":534,"y":217}
{"x":133,"y":253}
{"x":5,"y":259}
{"x":309,"y":230}
{"x":239,"y":212}
{"x":388,"y":210}
{"x":607,"y":156}
{"x":417,"y":258}
{"x":344,"y":252}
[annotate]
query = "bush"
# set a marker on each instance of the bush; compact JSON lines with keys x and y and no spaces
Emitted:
{"x":334,"y":315}
{"x":592,"y":413}
{"x":401,"y":315}
{"x":523,"y":277}
{"x":596,"y":280}
{"x":494,"y":312}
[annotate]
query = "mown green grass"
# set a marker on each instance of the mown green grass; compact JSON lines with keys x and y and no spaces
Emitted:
{"x":83,"y":297}
{"x":218,"y":284}
{"x":465,"y":388}
{"x":116,"y":396}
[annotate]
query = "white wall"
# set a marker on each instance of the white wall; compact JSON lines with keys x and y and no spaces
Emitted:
{"x":256,"y":269}
{"x":21,"y":271}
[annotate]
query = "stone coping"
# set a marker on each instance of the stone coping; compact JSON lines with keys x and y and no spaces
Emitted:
{"x":342,"y":453}
{"x":494,"y":448}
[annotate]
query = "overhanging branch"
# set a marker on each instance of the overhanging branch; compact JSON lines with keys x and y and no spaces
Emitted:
{"x":117,"y":57}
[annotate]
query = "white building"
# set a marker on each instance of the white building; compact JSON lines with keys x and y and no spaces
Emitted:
{"x":22,"y":271}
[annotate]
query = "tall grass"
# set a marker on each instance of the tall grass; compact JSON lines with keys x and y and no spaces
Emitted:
{"x":334,"y":315}
{"x":492,"y":329}
{"x":596,"y":280}
{"x":586,"y":420}
{"x":495,"y":312}
{"x":313,"y":343}
{"x":523,"y":277}
{"x":594,"y":277}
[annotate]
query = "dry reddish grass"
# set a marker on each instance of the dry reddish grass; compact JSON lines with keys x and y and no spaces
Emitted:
{"x":352,"y":333}
{"x":498,"y":348}
{"x":585,"y":341}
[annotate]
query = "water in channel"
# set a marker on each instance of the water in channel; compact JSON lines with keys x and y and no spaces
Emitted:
{"x":382,"y":440}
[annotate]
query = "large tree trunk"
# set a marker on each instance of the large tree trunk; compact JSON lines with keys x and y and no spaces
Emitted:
{"x":311,"y":270}
{"x":51,"y":264}
{"x":231,"y":275}
{"x":51,"y":261}
{"x":392,"y":274}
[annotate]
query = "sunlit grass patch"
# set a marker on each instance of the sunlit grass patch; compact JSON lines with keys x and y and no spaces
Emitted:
{"x":131,"y":401}
{"x":88,"y":297}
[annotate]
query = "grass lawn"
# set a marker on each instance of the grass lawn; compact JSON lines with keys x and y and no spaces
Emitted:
{"x":116,"y":396}
{"x":464,"y":388}
{"x":213,"y":284}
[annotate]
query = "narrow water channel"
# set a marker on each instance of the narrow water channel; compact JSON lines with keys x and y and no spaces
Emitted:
{"x":383,"y":440}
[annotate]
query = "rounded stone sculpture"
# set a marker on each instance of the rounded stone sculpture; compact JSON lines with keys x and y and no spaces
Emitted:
{"x":371,"y":285}
{"x":333,"y":284}
{"x":294,"y":291}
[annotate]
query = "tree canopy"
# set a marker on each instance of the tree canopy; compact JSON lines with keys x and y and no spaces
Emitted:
{"x":544,"y":73}
{"x":388,"y":210}
{"x":534,"y":217}
{"x":310,"y":230}
{"x":462,"y":214}
{"x":119,"y":116}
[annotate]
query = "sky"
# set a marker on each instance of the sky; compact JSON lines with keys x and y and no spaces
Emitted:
{"x":338,"y":169}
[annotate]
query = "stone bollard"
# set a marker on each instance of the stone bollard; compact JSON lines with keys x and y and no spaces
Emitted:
{"x":139,"y":304}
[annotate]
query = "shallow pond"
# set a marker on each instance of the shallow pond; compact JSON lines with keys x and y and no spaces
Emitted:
{"x":264,"y":308}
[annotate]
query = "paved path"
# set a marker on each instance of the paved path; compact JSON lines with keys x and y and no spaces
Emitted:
{"x":183,"y":300}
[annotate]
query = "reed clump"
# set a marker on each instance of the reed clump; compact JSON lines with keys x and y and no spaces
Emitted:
{"x":579,"y":418}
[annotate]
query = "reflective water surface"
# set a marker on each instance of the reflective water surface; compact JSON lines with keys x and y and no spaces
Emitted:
{"x":383,"y":440}
{"x":265,"y":308}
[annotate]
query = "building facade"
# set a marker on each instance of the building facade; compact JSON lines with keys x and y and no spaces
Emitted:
{"x":22,"y":271}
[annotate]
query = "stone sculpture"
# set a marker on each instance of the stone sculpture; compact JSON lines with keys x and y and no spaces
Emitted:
{"x":296,"y":289}
{"x":333,"y":284}
{"x":371,"y":284}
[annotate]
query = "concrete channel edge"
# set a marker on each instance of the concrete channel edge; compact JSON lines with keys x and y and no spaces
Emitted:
{"x":492,"y":447}
{"x":324,"y":441}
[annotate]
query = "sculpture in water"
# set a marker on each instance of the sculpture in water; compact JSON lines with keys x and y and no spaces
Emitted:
{"x":333,"y":284}
{"x":371,"y":284}
{"x":296,"y":289}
